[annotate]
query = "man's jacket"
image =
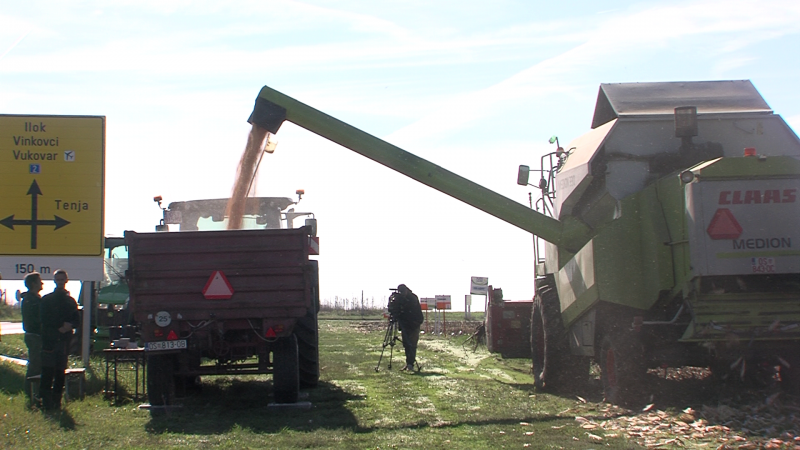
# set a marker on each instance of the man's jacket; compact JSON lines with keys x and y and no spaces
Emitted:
{"x":57,"y":308}
{"x":31,"y":312}
{"x":406,"y":310}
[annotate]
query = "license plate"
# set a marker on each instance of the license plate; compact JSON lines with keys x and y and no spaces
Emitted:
{"x":165,"y":345}
{"x":763,"y":265}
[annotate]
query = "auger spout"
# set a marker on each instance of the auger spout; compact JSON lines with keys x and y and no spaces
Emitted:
{"x":273,"y":107}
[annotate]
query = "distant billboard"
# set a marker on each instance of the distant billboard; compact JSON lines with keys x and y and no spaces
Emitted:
{"x":479,"y":286}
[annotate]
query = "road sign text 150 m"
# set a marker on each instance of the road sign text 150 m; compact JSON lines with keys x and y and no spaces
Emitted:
{"x":29,"y":268}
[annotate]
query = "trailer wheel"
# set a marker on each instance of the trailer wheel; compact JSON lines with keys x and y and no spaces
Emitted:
{"x":160,"y":380}
{"x":285,"y":376}
{"x":623,"y":368}
{"x":307,"y":334}
{"x":554,"y":367}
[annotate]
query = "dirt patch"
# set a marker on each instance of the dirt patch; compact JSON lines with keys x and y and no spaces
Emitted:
{"x":470,"y":359}
{"x":452,"y":329}
{"x":687,"y":407}
{"x":770,"y":423}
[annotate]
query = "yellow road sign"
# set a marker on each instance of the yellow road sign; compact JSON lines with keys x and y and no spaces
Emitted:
{"x":51,"y":185}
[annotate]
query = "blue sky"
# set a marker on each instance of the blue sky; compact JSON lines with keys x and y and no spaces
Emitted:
{"x":477,"y":87}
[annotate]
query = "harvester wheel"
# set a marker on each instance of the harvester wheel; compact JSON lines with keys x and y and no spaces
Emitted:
{"x":160,"y":380}
{"x":285,"y":376}
{"x":554,"y":367}
{"x":307,"y":334}
{"x":623,"y":367}
{"x":790,"y":376}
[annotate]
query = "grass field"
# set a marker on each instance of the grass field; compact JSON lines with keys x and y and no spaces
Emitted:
{"x":461,"y":399}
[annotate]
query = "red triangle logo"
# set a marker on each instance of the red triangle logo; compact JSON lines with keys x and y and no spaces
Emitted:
{"x":724,"y":225}
{"x":270,"y":333}
{"x":172,"y":335}
{"x":217,"y":287}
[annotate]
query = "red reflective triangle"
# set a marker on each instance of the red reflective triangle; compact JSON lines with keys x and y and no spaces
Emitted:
{"x":724,"y":225}
{"x":270,"y":333}
{"x":313,"y":245}
{"x":172,"y":336}
{"x":217,"y":287}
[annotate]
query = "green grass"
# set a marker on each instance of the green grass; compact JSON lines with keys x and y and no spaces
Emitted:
{"x":10,"y":313}
{"x":14,"y":345}
{"x":461,"y":399}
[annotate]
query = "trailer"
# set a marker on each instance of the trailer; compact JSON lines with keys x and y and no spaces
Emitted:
{"x":226,"y":302}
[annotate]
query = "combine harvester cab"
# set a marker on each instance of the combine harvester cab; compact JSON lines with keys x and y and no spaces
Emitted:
{"x":210,"y":301}
{"x":670,"y":229}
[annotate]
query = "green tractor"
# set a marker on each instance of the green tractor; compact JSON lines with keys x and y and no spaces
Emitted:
{"x":111,"y":318}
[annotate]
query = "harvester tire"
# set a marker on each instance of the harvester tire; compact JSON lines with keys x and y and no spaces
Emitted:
{"x":553,"y":365}
{"x":160,"y":380}
{"x":790,"y":376}
{"x":623,"y":368}
{"x":307,"y":334}
{"x":285,"y":376}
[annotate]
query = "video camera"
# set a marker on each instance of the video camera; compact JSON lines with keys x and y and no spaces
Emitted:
{"x":394,"y":306}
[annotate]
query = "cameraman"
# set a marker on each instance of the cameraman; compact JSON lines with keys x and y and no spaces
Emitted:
{"x":404,"y":308}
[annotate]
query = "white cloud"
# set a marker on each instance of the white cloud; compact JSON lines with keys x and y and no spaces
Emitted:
{"x":620,"y":36}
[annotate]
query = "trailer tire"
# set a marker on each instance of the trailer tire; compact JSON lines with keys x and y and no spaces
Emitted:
{"x":307,"y":334}
{"x":160,"y":380}
{"x":285,"y":371}
{"x":623,"y":368}
{"x":553,"y":365}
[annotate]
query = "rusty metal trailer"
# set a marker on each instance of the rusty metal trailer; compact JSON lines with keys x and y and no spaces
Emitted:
{"x":240,"y":302}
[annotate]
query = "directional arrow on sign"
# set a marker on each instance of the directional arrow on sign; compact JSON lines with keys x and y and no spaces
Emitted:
{"x":34,"y":222}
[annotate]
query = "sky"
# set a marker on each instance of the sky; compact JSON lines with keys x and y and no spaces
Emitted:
{"x":477,"y":87}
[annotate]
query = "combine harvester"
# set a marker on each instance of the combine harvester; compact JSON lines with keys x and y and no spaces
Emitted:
{"x":670,"y":233}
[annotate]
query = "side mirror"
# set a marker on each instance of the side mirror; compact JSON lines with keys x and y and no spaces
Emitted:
{"x":522,"y":175}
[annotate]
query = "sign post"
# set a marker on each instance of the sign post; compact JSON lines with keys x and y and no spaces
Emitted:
{"x":427,"y":304}
{"x":51,"y":200}
{"x":443,"y":303}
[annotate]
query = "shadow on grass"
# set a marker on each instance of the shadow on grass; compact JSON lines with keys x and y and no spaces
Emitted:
{"x":235,"y":403}
{"x":62,"y":418}
{"x":661,"y":393}
{"x":12,"y":379}
{"x":464,"y":423}
{"x":223,"y":407}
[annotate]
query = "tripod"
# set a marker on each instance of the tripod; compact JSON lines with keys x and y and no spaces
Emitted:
{"x":389,"y":340}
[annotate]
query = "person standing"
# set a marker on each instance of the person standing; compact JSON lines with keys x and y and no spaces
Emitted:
{"x":406,"y":310}
{"x":32,"y":325}
{"x":59,"y":313}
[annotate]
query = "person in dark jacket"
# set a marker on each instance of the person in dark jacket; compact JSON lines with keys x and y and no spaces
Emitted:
{"x":59,"y":312}
{"x":32,"y":325}
{"x":405,"y":309}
